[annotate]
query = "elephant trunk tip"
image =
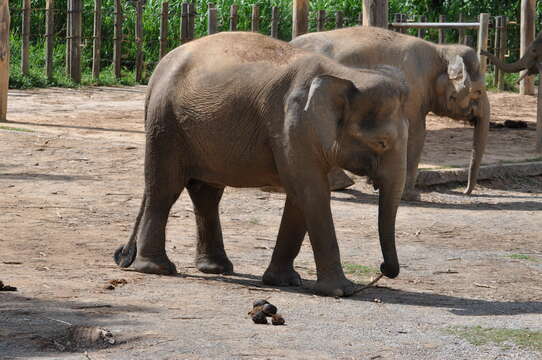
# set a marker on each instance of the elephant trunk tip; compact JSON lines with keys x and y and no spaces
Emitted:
{"x":390,"y":271}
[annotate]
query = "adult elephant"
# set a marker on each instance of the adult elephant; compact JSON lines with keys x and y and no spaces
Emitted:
{"x":444,"y":79}
{"x":245,"y":110}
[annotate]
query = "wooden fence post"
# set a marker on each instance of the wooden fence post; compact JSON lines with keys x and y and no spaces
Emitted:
{"x":233,"y":17}
{"x":184,"y":23}
{"x":211,"y":20}
{"x":75,"y":34}
{"x":4,"y":58}
{"x":300,"y":17}
{"x":421,"y":32}
{"x":26,"y":36}
{"x":360,"y":18}
{"x":461,"y":32}
{"x":503,"y":48}
{"x":527,"y":29}
{"x":275,"y":18}
{"x":321,"y":20}
{"x":483,"y":35}
{"x":497,"y":48}
{"x":49,"y":38}
{"x":397,"y":18}
{"x":441,"y":34}
{"x":191,"y":19}
{"x":117,"y":39}
{"x":255,"y":19}
{"x":68,"y":36}
{"x":97,"y":40}
{"x":139,"y":40}
{"x":339,"y":20}
{"x":164,"y":29}
{"x":375,"y":13}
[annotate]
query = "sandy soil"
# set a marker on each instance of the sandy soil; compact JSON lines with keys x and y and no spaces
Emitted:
{"x":71,"y":189}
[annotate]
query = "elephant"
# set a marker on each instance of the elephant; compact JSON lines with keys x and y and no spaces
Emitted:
{"x":444,"y":79}
{"x":530,"y":61}
{"x":245,"y":110}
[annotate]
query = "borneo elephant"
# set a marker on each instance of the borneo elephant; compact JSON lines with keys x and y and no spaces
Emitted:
{"x":245,"y":110}
{"x":530,"y":61}
{"x":444,"y":79}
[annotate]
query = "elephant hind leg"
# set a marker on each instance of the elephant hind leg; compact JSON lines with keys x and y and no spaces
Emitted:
{"x":210,"y":253}
{"x":165,"y":179}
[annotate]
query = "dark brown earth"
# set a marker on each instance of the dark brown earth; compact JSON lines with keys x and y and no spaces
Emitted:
{"x":71,"y":189}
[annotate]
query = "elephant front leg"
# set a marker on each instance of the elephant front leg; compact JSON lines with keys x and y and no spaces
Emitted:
{"x":211,"y":256}
{"x":313,"y":198}
{"x":416,"y":140}
{"x":291,"y":234}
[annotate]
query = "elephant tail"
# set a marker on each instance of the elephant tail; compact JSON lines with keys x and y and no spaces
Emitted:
{"x":125,"y":254}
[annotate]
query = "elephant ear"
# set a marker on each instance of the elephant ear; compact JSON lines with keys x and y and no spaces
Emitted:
{"x":458,"y":75}
{"x":327,"y":102}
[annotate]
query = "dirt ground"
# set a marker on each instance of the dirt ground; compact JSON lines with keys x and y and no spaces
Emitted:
{"x":71,"y":187}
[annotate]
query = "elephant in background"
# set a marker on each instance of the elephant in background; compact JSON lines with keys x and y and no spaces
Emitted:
{"x":245,"y":110}
{"x":444,"y":79}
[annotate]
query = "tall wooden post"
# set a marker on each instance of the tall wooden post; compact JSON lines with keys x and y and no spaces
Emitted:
{"x":4,"y":58}
{"x":503,"y":48}
{"x":339,"y":20}
{"x":421,"y":32}
{"x":139,"y":40}
{"x":49,"y":38}
{"x":461,"y":37}
{"x":441,"y":34}
{"x":255,"y":19}
{"x":497,"y":47}
{"x":184,"y":23}
{"x":321,"y":20}
{"x":527,"y":29}
{"x":375,"y":13}
{"x":26,"y":36}
{"x":97,"y":40}
{"x":211,"y":20}
{"x":117,"y":39}
{"x":483,"y":35}
{"x":191,"y":20}
{"x":300,"y":17}
{"x":233,"y":17}
{"x":68,"y":36}
{"x":164,"y":29}
{"x":275,"y":18}
{"x":75,"y":43}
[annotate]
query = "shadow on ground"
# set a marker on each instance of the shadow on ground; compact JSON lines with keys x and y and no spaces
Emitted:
{"x":457,"y":305}
{"x":29,"y":326}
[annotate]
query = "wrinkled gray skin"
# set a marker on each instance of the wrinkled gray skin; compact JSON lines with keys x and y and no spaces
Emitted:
{"x":531,"y":59}
{"x":245,"y":110}
{"x":444,"y":79}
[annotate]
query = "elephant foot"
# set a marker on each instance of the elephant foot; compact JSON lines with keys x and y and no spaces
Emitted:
{"x":341,"y":287}
{"x":411,"y":195}
{"x":156,"y":265}
{"x":338,"y":180}
{"x":281,"y":278}
{"x":214,"y":265}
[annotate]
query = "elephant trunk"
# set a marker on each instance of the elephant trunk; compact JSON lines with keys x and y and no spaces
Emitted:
{"x":391,"y":189}
{"x":479,"y":141}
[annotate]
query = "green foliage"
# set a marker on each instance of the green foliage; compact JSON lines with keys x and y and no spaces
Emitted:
{"x":478,"y":335}
{"x":151,"y":20}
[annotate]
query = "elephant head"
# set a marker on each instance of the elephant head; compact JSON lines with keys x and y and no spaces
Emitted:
{"x":367,"y":136}
{"x":529,"y":61}
{"x":461,"y":94}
